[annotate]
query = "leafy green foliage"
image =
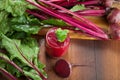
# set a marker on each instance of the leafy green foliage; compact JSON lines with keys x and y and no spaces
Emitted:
{"x":61,"y":34}
{"x":15,"y":29}
{"x":29,"y":49}
{"x":15,"y":7}
{"x":55,"y":22}
{"x":77,"y":7}
{"x":2,"y":62}
{"x":34,"y":76}
{"x":4,"y":22}
{"x":26,"y":24}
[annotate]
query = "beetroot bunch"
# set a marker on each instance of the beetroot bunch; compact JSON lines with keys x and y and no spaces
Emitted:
{"x":60,"y":9}
{"x":113,"y":18}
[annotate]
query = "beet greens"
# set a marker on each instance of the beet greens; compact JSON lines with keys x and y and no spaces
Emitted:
{"x":22,"y":58}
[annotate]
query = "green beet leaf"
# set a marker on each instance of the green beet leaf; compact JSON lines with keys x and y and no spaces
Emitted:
{"x":55,"y":22}
{"x":4,"y":22}
{"x":32,"y":74}
{"x":61,"y":34}
{"x":15,"y":7}
{"x":77,"y":8}
{"x":26,"y":24}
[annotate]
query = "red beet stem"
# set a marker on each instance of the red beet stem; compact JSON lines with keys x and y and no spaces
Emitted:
{"x":8,"y":75}
{"x":86,"y":21}
{"x":14,"y":65}
{"x":56,"y":1}
{"x":92,"y":2}
{"x":91,"y":11}
{"x":50,"y":12}
{"x":36,"y":14}
{"x":95,"y":7}
{"x":79,"y":22}
{"x":86,"y":3}
{"x":91,"y":14}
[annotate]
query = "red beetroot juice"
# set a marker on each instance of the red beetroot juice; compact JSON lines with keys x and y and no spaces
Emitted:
{"x":54,"y":48}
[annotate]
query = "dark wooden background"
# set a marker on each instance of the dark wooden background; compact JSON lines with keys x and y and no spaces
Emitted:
{"x":103,"y":58}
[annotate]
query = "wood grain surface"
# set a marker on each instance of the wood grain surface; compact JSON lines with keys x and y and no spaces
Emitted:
{"x":103,"y":58}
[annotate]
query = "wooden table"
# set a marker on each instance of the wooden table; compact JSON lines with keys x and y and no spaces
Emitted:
{"x":103,"y":58}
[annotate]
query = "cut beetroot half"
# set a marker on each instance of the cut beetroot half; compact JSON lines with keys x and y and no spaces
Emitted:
{"x":62,"y":68}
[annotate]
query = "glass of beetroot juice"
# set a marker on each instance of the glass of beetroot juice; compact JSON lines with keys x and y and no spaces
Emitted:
{"x":57,"y":42}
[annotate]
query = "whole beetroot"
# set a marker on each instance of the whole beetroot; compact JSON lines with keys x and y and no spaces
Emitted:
{"x":114,"y":21}
{"x":108,"y":3}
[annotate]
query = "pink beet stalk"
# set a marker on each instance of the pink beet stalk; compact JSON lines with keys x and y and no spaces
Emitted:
{"x":8,"y":75}
{"x":36,"y":14}
{"x":91,"y":12}
{"x":86,"y":21}
{"x":56,"y":1}
{"x":79,"y":22}
{"x":51,"y":12}
{"x":86,"y":3}
{"x":14,"y":65}
{"x":95,"y":7}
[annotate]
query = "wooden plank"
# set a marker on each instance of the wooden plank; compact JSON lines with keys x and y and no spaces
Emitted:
{"x":117,"y":51}
{"x":80,"y":52}
{"x":107,"y":59}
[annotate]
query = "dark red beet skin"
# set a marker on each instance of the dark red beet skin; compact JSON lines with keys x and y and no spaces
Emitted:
{"x":62,"y":68}
{"x":54,"y":48}
{"x":114,"y":21}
